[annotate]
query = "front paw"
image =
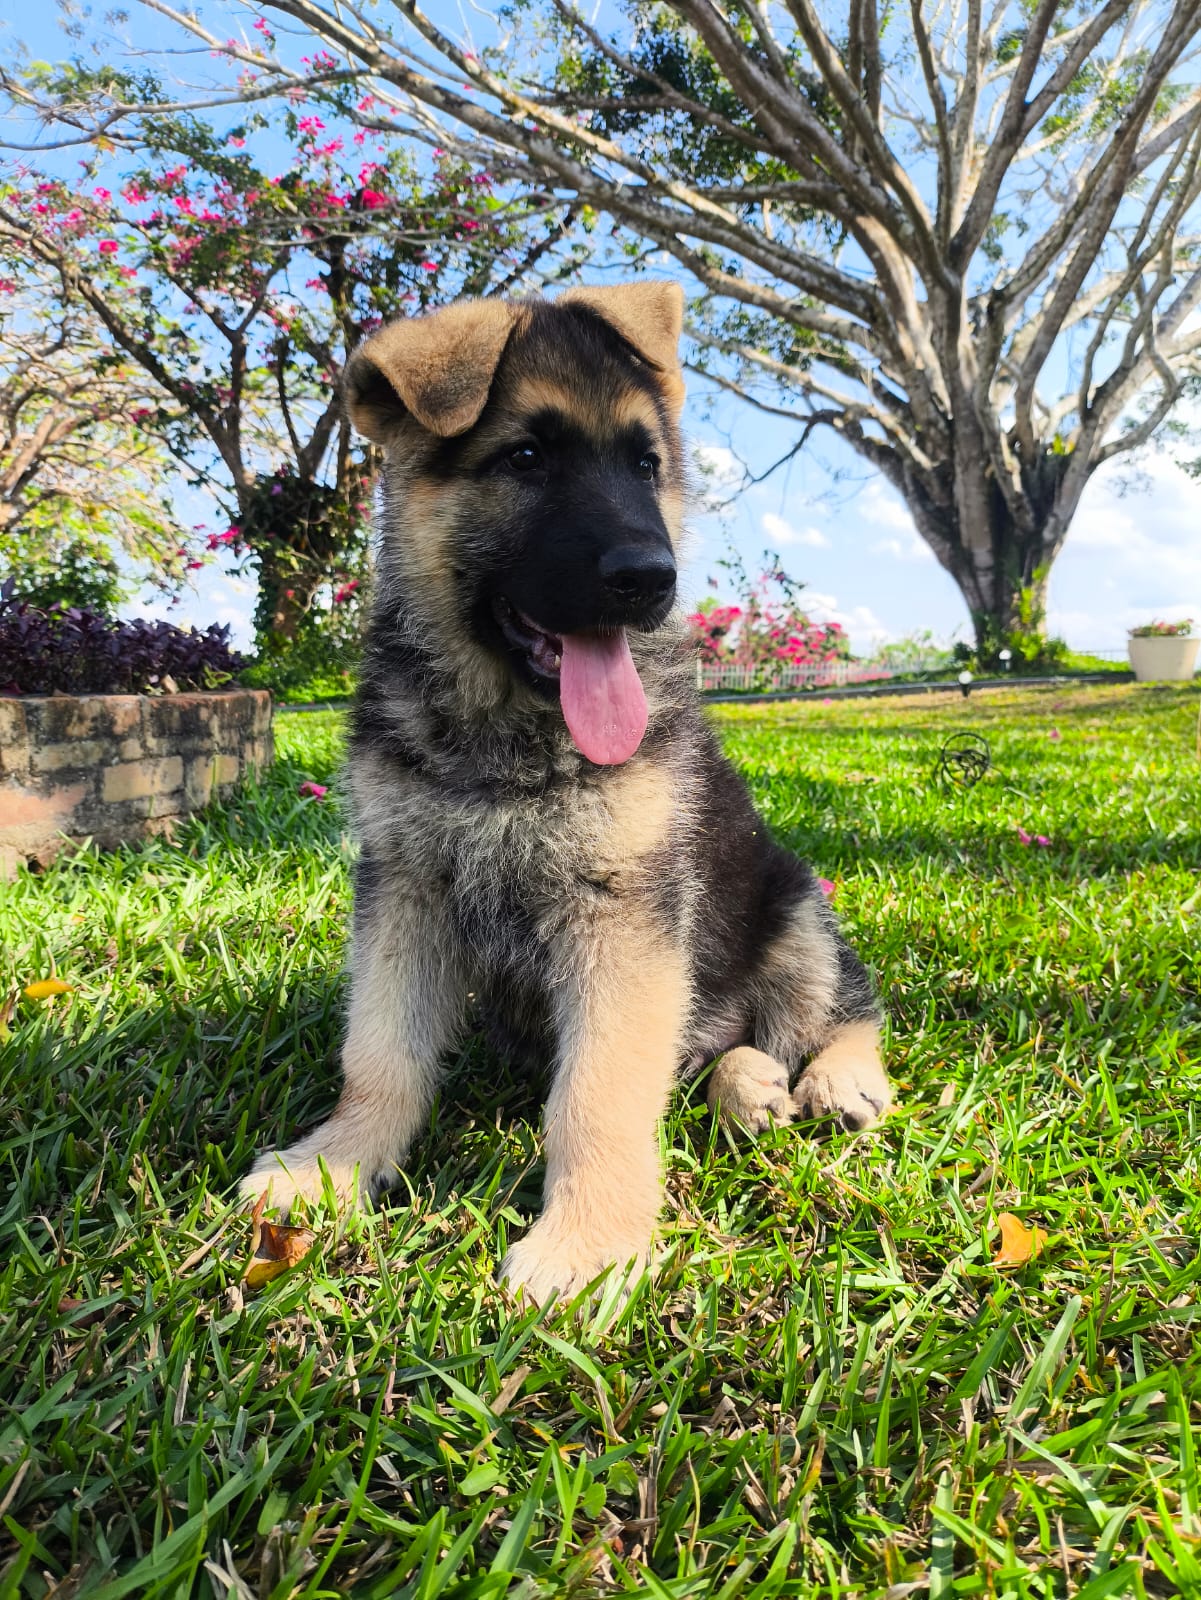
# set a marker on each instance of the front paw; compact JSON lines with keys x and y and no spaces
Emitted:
{"x":853,"y":1094}
{"x":552,"y":1265}
{"x":749,"y":1089}
{"x":297,"y":1175}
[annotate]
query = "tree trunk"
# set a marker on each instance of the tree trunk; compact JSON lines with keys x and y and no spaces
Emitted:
{"x":284,"y":598}
{"x":1001,"y":569}
{"x":998,"y":546}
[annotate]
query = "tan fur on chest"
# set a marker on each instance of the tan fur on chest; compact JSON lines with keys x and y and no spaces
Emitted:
{"x":590,"y":830}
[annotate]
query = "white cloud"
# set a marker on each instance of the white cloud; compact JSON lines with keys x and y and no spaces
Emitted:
{"x":719,"y":472}
{"x":881,"y":508}
{"x":861,"y":622}
{"x":1129,"y":556}
{"x":780,"y":531}
{"x":914,"y":548}
{"x":884,"y":512}
{"x":717,"y":460}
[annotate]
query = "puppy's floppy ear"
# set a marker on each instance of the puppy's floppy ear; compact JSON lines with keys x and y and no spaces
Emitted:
{"x":437,"y":367}
{"x":649,"y":316}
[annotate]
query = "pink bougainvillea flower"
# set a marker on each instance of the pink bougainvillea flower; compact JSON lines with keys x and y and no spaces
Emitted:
{"x":109,"y":247}
{"x":429,"y":266}
{"x":1041,"y":839}
{"x":373,"y":200}
{"x":1024,"y":837}
{"x":827,"y":887}
{"x":312,"y":791}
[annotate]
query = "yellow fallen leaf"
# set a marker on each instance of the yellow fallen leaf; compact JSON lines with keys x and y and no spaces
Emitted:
{"x":274,"y":1246}
{"x":44,"y":988}
{"x":1019,"y":1244}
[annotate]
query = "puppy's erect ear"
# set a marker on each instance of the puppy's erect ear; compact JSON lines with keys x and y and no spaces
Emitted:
{"x":649,"y":316}
{"x":438,"y":367}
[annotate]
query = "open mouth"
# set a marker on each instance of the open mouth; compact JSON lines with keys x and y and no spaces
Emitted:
{"x":599,"y":690}
{"x":543,"y":651}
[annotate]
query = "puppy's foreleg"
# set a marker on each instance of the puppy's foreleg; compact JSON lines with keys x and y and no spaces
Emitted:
{"x":619,"y":1033}
{"x":407,"y":996}
{"x":817,"y":1001}
{"x":846,"y":1081}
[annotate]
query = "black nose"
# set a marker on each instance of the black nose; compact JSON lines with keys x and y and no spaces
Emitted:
{"x":637,"y":575}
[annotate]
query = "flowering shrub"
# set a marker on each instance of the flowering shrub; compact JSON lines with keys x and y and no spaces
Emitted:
{"x":237,"y":268}
{"x":1163,"y":630}
{"x":769,"y":627}
{"x":78,"y":652}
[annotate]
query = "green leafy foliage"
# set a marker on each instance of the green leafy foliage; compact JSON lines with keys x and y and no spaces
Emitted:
{"x":828,"y":1390}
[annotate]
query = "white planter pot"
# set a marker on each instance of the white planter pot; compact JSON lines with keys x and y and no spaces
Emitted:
{"x":1162,"y":659}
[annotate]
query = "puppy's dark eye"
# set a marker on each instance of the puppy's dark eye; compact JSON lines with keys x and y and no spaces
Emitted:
{"x":648,"y":467}
{"x":525,"y":458}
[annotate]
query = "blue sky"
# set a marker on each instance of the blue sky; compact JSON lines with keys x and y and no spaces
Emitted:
{"x":1133,"y":552}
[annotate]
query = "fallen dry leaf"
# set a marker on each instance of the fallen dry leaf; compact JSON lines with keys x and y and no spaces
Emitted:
{"x":45,"y":988}
{"x":68,"y":1305}
{"x":1019,"y":1244}
{"x":274,"y":1247}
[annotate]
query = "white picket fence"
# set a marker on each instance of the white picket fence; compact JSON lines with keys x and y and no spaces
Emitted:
{"x":770,"y":678}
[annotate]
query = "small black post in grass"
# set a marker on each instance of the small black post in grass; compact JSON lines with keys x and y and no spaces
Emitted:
{"x":965,"y":683}
{"x":1005,"y":657}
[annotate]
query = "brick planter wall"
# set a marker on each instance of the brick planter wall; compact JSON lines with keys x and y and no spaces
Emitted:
{"x":114,"y":767}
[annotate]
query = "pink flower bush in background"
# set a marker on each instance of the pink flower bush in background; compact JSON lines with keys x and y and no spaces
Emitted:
{"x":768,"y":627}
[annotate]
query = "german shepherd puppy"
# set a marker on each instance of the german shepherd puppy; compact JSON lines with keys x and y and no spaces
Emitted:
{"x":552,"y":841}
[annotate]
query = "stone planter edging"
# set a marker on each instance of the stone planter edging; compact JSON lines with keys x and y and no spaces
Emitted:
{"x":1163,"y":658}
{"x":113,"y":768}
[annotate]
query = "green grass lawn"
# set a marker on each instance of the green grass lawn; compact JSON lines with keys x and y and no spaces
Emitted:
{"x":828,"y":1390}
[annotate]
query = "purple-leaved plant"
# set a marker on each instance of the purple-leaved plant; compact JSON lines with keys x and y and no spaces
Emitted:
{"x":67,"y":651}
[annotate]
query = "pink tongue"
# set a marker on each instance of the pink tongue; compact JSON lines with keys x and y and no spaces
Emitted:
{"x":602,"y":698}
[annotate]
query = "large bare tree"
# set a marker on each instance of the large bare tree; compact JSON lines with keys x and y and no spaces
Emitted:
{"x":962,"y":236}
